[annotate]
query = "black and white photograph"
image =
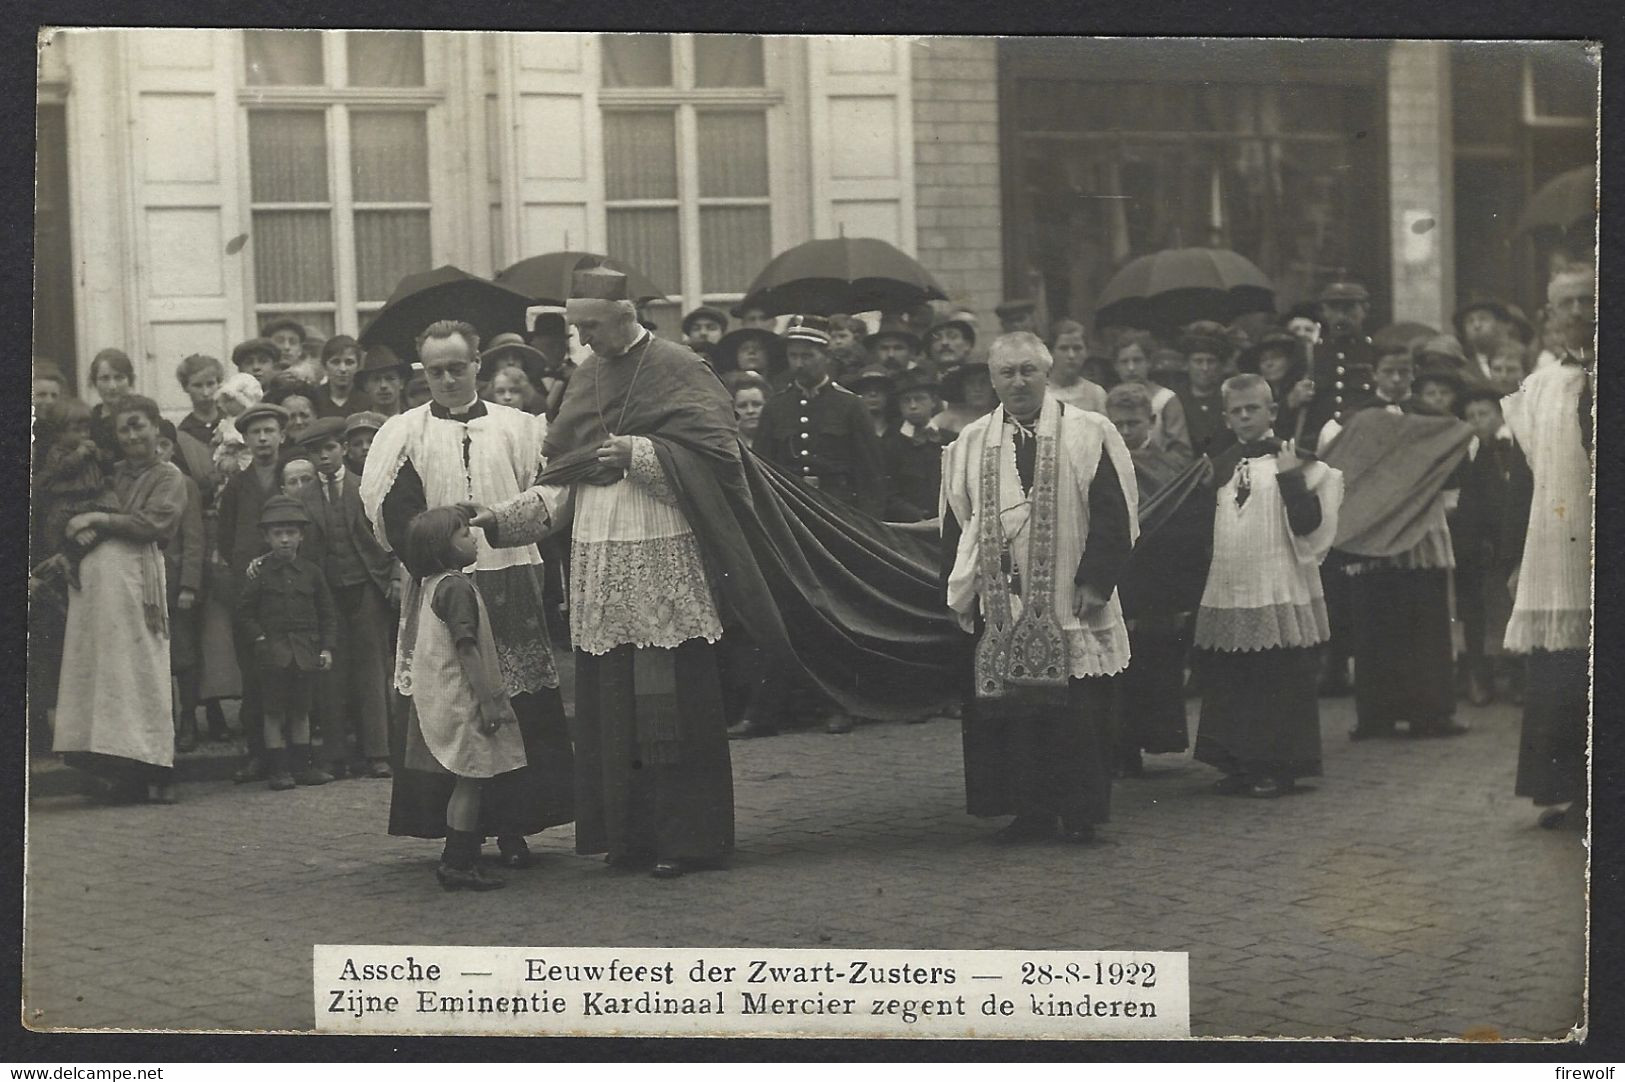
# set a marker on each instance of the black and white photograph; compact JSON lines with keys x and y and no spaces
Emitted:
{"x":855,"y":512}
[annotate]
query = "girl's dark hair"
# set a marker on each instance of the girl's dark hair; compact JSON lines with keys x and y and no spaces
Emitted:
{"x":117,"y":360}
{"x":747,"y":380}
{"x":136,"y":403}
{"x":338,"y":344}
{"x":428,"y":541}
{"x":196,"y":363}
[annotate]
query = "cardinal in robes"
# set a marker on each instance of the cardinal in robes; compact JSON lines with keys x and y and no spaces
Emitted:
{"x":654,"y":782}
{"x":1039,"y":509}
{"x":458,"y":448}
{"x":1551,"y":417}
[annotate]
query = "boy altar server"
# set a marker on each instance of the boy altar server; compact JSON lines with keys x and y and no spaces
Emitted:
{"x":1263,"y":615}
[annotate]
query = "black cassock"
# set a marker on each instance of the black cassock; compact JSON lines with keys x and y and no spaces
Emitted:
{"x":1046,"y":760}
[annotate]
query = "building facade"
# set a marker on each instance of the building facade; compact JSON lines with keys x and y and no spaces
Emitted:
{"x":193,"y":184}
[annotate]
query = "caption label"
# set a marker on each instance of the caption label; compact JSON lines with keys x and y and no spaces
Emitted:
{"x":684,"y":992}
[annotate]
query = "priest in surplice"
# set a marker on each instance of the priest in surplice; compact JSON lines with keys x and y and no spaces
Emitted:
{"x":1039,"y":511}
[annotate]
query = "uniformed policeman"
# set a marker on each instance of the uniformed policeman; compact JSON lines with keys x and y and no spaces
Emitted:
{"x":1342,"y":365}
{"x":817,"y":429}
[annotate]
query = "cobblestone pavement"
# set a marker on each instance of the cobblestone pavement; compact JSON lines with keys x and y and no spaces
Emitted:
{"x":1408,"y":894}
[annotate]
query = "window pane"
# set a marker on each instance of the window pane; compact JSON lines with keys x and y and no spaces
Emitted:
{"x":636,"y":59}
{"x":390,"y":157}
{"x":389,"y":244}
{"x":640,"y":155}
{"x":1486,"y":81}
{"x":735,"y":244}
{"x":283,"y":57}
{"x":727,"y":60}
{"x":647,"y":239}
{"x":287,"y":154}
{"x":732,"y":153}
{"x":293,"y":256}
{"x":385,"y":57}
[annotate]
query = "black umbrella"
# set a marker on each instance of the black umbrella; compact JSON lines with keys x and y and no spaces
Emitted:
{"x":1567,"y":201}
{"x":847,"y":274}
{"x":1177,"y":286}
{"x":444,"y":293}
{"x":546,"y":279}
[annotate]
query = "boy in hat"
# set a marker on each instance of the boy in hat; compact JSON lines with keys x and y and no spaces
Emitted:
{"x":1488,"y":529}
{"x":382,"y":380}
{"x":817,"y":429}
{"x":359,"y":429}
{"x":1262,"y":618}
{"x":257,"y":357}
{"x":949,"y":343}
{"x":262,"y":427}
{"x":911,"y":451}
{"x":286,"y":613}
{"x":874,"y":385}
{"x":704,"y":328}
{"x":341,"y":361}
{"x":1437,"y":391}
{"x":288,"y":335}
{"x":361,"y":577}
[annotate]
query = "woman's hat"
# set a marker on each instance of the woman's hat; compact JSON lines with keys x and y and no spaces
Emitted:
{"x":282,"y":510}
{"x":284,"y":323}
{"x":725,"y":354}
{"x":1443,"y":346}
{"x":1206,"y":336}
{"x":510,"y":344}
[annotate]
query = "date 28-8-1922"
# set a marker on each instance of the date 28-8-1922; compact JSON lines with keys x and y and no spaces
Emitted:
{"x":1100,"y":974}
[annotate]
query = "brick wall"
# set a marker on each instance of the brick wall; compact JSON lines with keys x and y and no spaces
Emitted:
{"x":1421,"y":182}
{"x":956,"y":169}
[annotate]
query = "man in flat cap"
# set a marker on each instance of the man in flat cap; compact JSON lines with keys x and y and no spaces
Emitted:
{"x":896,"y":347}
{"x":1484,"y":326}
{"x":949,"y":342}
{"x":1019,"y":314}
{"x":704,"y":328}
{"x":654,"y":780}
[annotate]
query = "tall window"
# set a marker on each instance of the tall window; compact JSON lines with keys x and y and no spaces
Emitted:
{"x":686,"y":151}
{"x":339,"y":171}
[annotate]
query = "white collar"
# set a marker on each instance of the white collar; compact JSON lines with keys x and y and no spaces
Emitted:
{"x":336,"y":478}
{"x":907,"y":429}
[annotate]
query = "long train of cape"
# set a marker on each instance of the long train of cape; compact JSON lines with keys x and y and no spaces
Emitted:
{"x":825,"y":591}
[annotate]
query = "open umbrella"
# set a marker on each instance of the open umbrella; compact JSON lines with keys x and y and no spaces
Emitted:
{"x":847,"y":274}
{"x":546,"y":278}
{"x":443,"y":293}
{"x":1177,"y":286}
{"x":1567,"y":201}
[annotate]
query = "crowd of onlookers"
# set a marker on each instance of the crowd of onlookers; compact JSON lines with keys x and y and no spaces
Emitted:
{"x":859,"y":407}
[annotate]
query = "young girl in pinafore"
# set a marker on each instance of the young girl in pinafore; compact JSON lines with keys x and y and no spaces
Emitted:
{"x":461,"y":721}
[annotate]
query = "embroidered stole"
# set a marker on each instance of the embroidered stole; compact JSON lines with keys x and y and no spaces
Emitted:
{"x":1028,"y":651}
